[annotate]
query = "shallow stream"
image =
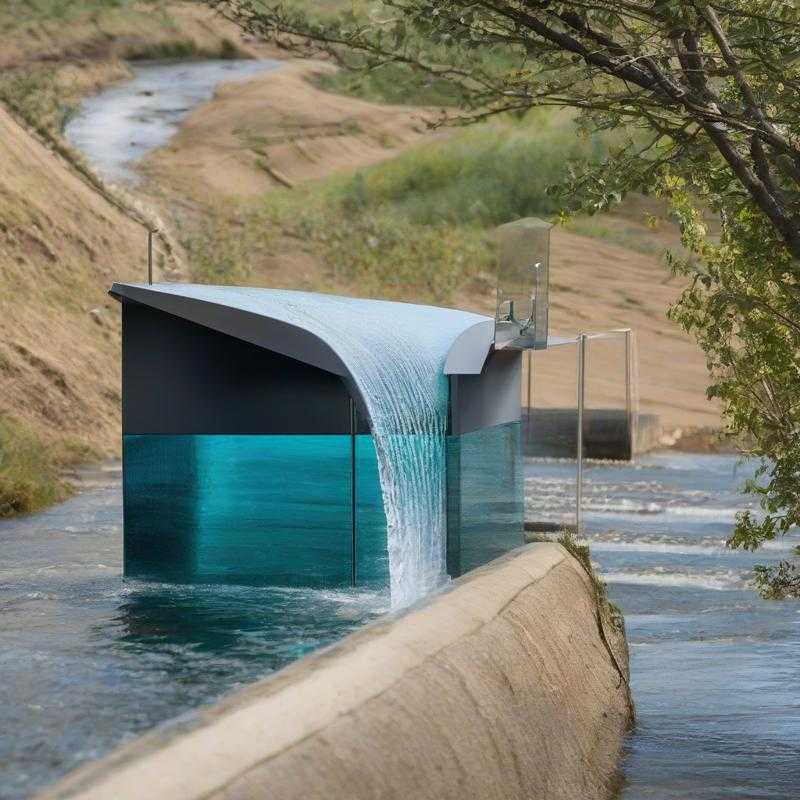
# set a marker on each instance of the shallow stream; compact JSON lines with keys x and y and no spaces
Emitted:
{"x":118,"y":126}
{"x":714,"y":669}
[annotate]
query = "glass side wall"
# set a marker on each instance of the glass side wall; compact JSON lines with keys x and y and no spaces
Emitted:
{"x":485,"y":496}
{"x":278,"y":510}
{"x":259,"y":510}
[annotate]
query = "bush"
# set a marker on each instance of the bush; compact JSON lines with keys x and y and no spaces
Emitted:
{"x":29,"y":471}
{"x":419,"y":224}
{"x":485,"y":175}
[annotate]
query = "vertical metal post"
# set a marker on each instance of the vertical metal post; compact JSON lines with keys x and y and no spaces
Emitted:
{"x":529,"y":401}
{"x":582,"y":341}
{"x":150,"y":257}
{"x":353,"y":493}
{"x":629,"y":391}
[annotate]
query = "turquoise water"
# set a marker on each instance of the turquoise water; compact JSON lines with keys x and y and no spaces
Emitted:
{"x":254,"y":510}
{"x":278,"y":510}
{"x":396,"y":354}
{"x":89,"y":659}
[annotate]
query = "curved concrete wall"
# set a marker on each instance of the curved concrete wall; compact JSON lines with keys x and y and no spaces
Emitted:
{"x":500,"y":687}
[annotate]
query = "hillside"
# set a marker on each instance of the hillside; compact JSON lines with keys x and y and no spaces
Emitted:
{"x":61,"y":245}
{"x":273,"y":182}
{"x":244,"y":226}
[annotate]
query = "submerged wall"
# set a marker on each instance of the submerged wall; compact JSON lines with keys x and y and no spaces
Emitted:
{"x":501,"y":687}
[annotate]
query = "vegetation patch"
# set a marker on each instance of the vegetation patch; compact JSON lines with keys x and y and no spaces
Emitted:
{"x":778,"y":582}
{"x":420,"y":224}
{"x":220,"y":251}
{"x":30,"y":476}
{"x":38,"y":97}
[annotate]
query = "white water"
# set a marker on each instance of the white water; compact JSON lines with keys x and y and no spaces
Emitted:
{"x":396,"y":354}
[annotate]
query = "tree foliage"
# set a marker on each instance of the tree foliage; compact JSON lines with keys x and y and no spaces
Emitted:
{"x":708,"y":95}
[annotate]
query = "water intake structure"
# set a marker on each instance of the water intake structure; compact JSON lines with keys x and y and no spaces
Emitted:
{"x":277,"y":437}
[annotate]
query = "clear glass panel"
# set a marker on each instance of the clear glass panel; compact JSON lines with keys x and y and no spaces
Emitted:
{"x":522,"y":283}
{"x":485,"y":501}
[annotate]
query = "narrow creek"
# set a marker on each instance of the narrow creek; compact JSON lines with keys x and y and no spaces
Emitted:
{"x":118,"y":126}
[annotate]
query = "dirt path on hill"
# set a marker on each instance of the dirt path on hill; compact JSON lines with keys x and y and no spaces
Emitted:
{"x":280,"y":129}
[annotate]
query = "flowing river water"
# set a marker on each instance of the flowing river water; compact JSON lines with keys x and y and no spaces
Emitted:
{"x":89,"y":660}
{"x":118,"y":126}
{"x":714,"y":669}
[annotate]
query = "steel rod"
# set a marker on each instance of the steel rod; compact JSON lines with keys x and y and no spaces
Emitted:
{"x":629,"y":390}
{"x":528,"y":434}
{"x":582,"y":340}
{"x":150,"y":257}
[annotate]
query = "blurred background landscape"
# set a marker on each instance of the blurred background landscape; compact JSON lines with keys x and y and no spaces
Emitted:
{"x":304,"y":176}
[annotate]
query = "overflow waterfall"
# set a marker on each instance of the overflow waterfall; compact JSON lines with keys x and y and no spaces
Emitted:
{"x":396,"y":356}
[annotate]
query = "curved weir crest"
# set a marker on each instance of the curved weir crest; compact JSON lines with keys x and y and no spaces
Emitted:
{"x":396,"y":354}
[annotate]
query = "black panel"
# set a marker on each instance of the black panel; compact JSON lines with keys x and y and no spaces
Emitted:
{"x":183,"y":378}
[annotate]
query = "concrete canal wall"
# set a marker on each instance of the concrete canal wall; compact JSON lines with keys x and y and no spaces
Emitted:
{"x":504,"y":686}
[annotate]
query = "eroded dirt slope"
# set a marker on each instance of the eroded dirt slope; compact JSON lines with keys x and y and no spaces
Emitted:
{"x":61,"y":245}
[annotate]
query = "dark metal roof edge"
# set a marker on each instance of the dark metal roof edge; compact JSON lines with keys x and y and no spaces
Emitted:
{"x":259,"y":329}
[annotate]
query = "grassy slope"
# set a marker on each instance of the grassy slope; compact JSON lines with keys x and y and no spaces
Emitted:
{"x":61,"y":245}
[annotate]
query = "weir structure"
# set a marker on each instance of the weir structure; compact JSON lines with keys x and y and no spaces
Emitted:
{"x":248,"y":454}
{"x":290,"y":438}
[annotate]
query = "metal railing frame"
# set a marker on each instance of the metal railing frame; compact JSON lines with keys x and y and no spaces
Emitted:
{"x":582,"y":346}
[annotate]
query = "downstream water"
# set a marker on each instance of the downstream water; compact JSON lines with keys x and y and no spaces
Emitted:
{"x":118,"y":126}
{"x":715,"y":670}
{"x":88,"y":660}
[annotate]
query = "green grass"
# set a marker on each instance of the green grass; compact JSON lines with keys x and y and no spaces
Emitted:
{"x":632,"y":238}
{"x":421,"y":224}
{"x":29,"y":471}
{"x":220,"y":250}
{"x":32,"y":465}
{"x":393,"y":84}
{"x":18,"y":15}
{"x":37,"y":96}
{"x":485,"y":175}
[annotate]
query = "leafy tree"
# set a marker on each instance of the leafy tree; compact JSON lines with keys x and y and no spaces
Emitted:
{"x":707,"y":95}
